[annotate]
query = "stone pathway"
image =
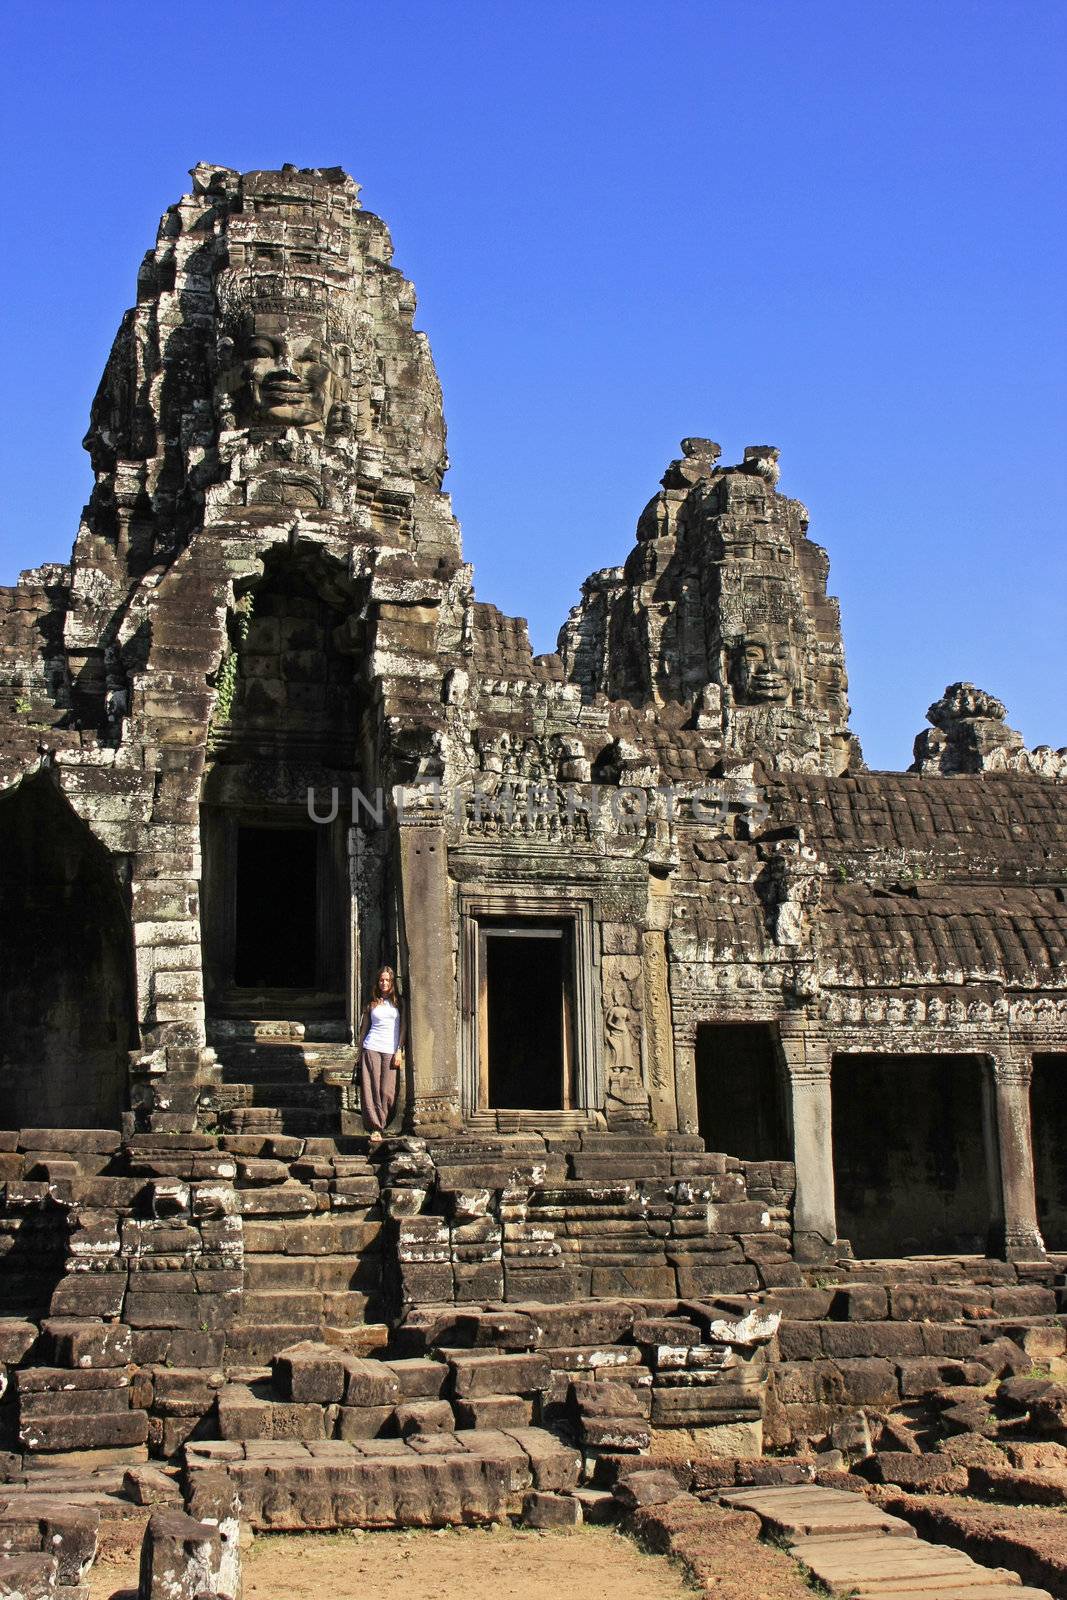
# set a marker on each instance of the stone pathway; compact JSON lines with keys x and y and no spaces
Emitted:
{"x":857,"y":1550}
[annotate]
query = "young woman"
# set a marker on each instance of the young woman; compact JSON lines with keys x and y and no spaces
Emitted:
{"x":382,"y":1029}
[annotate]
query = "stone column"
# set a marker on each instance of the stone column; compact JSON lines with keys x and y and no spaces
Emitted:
{"x":685,"y":1077}
{"x":433,"y":1072}
{"x":1016,"y":1235}
{"x":805,"y":1054}
{"x":659,"y":1041}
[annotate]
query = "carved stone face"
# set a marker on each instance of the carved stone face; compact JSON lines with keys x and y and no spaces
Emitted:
{"x":755,"y":678}
{"x":282,"y":377}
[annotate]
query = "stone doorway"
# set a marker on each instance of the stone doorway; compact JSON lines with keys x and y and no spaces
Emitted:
{"x":1048,"y":1110}
{"x":741,"y":1106}
{"x":911,"y":1172}
{"x":526,"y":1049}
{"x":67,"y":1012}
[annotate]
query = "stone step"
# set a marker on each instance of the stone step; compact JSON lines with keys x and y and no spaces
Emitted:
{"x":285,"y":1092}
{"x":270,"y":1272}
{"x":255,"y":1343}
{"x":320,"y":1235}
{"x":298,"y":1122}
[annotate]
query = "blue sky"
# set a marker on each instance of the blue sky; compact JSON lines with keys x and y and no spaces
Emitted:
{"x":835,"y":227}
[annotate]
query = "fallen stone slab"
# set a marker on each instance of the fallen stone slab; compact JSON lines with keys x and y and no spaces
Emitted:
{"x":721,"y":1549}
{"x":932,"y":1472}
{"x":802,"y":1510}
{"x":647,"y":1488}
{"x":869,"y":1566}
{"x":1028,"y":1541}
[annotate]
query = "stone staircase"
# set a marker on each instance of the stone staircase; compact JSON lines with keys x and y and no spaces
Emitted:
{"x":580,"y":1213}
{"x":314,"y":1277}
{"x":923,"y":1339}
{"x":293,"y":1078}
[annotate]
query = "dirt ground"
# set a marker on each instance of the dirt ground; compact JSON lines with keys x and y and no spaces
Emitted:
{"x":453,"y":1564}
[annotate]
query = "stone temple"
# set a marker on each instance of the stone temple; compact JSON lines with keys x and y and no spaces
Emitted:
{"x":698,"y":1004}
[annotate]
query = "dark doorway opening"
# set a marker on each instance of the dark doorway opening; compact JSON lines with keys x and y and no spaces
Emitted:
{"x":1048,"y":1114}
{"x":740,"y":1091}
{"x":525,"y":1032}
{"x":910,"y":1170}
{"x":275,"y":943}
{"x":67,"y":1014}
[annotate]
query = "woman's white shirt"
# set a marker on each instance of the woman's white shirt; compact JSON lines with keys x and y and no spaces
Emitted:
{"x":384,"y":1031}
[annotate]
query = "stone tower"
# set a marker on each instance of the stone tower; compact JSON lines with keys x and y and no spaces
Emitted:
{"x":722,"y":606}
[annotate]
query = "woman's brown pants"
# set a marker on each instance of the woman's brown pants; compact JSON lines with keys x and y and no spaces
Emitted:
{"x":377,"y":1088}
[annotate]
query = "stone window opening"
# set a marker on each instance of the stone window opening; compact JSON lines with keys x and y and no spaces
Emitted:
{"x":275,"y":890}
{"x":741,"y":1091}
{"x":1048,"y":1103}
{"x":910,"y":1153}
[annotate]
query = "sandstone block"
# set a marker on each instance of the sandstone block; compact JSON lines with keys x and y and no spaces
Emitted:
{"x":31,"y":1576}
{"x":16,"y":1339}
{"x":419,"y":1379}
{"x":81,"y":1343}
{"x":555,"y":1466}
{"x":311,"y":1372}
{"x":181,"y":1559}
{"x":362,"y":1422}
{"x":495,"y":1411}
{"x":543,"y":1510}
{"x":616,"y":1433}
{"x":931,"y":1473}
{"x":477,"y":1374}
{"x":370,"y":1383}
{"x":648,"y":1488}
{"x":426,"y":1417}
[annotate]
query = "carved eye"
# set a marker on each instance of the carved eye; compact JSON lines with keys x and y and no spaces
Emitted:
{"x":260,"y":350}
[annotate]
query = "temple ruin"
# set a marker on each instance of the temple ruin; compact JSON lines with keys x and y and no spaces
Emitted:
{"x":698,"y":1004}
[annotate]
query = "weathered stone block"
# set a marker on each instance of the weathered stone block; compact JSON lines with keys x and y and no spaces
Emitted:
{"x":627,"y":1433}
{"x":541,"y":1510}
{"x":363,"y":1422}
{"x":370,"y":1383}
{"x":181,"y":1559}
{"x":80,"y":1343}
{"x":476,"y":1374}
{"x":31,"y":1576}
{"x":497,"y":1411}
{"x":419,"y":1379}
{"x":425,"y":1416}
{"x":311,"y":1372}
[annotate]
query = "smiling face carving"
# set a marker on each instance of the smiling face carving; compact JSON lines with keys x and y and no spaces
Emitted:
{"x":754,"y":676}
{"x":276,"y":375}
